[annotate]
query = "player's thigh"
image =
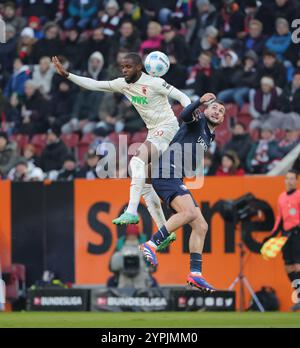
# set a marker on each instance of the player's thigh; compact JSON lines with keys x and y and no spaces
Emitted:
{"x":183,"y":203}
{"x":146,"y":152}
{"x":199,"y":223}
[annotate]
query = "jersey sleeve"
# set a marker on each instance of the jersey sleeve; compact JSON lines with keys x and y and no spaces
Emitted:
{"x":188,"y":114}
{"x":94,"y":85}
{"x":170,"y":91}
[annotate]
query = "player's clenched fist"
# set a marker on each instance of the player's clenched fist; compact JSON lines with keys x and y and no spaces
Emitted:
{"x":207,"y":97}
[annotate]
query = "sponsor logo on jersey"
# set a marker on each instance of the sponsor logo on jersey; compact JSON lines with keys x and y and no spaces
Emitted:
{"x":139,"y":100}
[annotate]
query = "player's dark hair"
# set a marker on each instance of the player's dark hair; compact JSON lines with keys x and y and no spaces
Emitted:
{"x":219,"y":102}
{"x":293,"y":171}
{"x":135,"y":57}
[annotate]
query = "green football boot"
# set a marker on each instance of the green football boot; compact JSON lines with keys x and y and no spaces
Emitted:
{"x":166,"y":242}
{"x":126,"y":219}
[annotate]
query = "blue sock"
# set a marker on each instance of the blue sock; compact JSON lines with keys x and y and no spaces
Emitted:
{"x":195,"y":263}
{"x":161,"y":235}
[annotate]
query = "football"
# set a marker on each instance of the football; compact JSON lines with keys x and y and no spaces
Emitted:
{"x":157,"y":64}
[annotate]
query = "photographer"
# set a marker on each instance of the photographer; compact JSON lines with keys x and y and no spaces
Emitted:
{"x":128,"y":264}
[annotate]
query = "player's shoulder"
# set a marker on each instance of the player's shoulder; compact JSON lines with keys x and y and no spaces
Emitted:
{"x":156,"y":81}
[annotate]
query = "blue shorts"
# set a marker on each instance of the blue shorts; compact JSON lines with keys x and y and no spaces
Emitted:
{"x":168,"y":189}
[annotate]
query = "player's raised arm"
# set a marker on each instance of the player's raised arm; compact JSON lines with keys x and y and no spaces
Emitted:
{"x":187,"y":114}
{"x":81,"y":81}
{"x":170,"y":91}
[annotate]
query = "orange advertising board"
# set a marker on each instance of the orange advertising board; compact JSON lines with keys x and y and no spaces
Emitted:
{"x":5,"y":224}
{"x":98,"y":202}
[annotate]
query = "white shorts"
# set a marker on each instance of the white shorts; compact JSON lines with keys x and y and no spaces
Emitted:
{"x":163,"y":135}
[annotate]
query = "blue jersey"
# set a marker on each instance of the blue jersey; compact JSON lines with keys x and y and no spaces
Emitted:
{"x":185,"y":155}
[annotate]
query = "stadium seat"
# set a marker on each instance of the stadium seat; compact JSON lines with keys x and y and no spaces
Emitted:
{"x":244,"y":115}
{"x":21,"y":140}
{"x":231,"y":110}
{"x":39,"y":141}
{"x":71,"y":140}
{"x":139,"y":137}
{"x":84,"y":145}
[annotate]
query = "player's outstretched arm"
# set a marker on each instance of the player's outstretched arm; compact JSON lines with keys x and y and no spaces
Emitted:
{"x":81,"y":81}
{"x":182,"y":98}
{"x":187,"y":114}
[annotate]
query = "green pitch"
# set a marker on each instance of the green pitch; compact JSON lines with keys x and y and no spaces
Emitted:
{"x":148,"y":320}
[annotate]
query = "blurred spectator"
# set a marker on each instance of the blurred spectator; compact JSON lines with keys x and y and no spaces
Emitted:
{"x":29,"y":153}
{"x":153,"y":40}
{"x":206,"y":16}
{"x":254,"y":40}
{"x":74,"y":49}
{"x":128,"y":263}
{"x":8,"y":154}
{"x":87,"y":102}
{"x":251,"y":8}
{"x":242,"y":80}
{"x":114,"y":68}
{"x":290,"y":97}
{"x":273,"y":68}
{"x":128,"y":37}
{"x":24,"y":171}
{"x":133,"y":12}
{"x":10,"y":17}
{"x":223,"y":78}
{"x":287,"y":9}
{"x":53,"y":155}
{"x":34,"y":111}
{"x":230,"y":165}
{"x":240,"y":143}
{"x":35,"y":24}
{"x":42,"y":75}
{"x":44,"y":9}
{"x":89,"y":169}
{"x":69,"y":170}
{"x":173,"y":44}
{"x":98,"y":42}
{"x":50,"y":45}
{"x":199,"y":77}
{"x":109,"y":21}
{"x":264,"y":153}
{"x":12,"y":112}
{"x":16,"y":83}
{"x":209,"y":42}
{"x":290,"y":140}
{"x":25,"y":44}
{"x":280,"y":42}
{"x":80,"y":13}
{"x":209,"y":166}
{"x":8,"y":49}
{"x":262,"y":102}
{"x":176,"y":74}
{"x":230,"y":22}
{"x":61,"y":104}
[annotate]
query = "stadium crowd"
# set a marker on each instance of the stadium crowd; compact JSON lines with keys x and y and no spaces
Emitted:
{"x":242,"y":51}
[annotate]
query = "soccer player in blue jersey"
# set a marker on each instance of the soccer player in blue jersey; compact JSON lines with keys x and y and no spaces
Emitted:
{"x":197,"y":129}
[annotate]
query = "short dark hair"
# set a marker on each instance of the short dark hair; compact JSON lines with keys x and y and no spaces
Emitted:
{"x":293,"y":171}
{"x":219,"y":101}
{"x":135,"y":57}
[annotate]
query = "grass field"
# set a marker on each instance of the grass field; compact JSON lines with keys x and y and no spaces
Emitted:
{"x":149,"y":320}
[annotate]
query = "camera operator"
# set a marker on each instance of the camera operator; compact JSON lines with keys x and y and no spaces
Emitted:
{"x":128,"y":263}
{"x":288,"y":222}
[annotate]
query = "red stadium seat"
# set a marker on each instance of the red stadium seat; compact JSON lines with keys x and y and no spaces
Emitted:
{"x":21,"y":140}
{"x":139,"y":137}
{"x":84,"y":145}
{"x":39,"y":141}
{"x":231,"y":110}
{"x":71,"y":140}
{"x":244,"y":115}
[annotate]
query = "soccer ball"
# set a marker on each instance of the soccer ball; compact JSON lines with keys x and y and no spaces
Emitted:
{"x":157,"y":63}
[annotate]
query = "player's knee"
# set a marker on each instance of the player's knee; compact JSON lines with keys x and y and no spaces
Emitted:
{"x":190,"y":215}
{"x":137,"y":167}
{"x":203,"y":227}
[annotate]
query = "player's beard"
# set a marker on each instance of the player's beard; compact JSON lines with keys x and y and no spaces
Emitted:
{"x":212,"y":123}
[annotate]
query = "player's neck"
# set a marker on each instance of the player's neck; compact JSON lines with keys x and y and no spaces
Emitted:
{"x":211,"y":127}
{"x":138,"y":76}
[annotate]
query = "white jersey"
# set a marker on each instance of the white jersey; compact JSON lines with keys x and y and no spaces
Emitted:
{"x":149,"y":95}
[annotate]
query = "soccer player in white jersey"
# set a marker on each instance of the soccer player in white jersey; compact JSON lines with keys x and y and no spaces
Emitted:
{"x":149,"y":95}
